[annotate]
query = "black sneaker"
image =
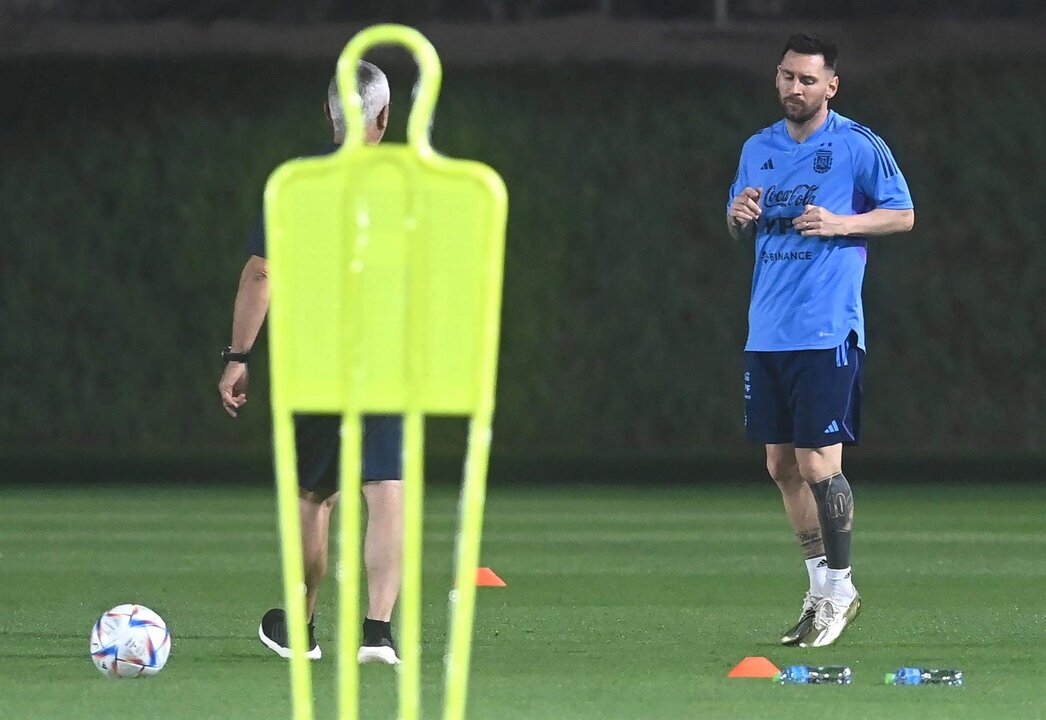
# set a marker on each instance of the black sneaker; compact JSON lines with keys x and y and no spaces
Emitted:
{"x":273,"y":633}
{"x":378,"y":645}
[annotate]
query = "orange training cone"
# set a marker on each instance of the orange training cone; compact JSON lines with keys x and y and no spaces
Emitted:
{"x":754,"y":667}
{"x":485,"y":577}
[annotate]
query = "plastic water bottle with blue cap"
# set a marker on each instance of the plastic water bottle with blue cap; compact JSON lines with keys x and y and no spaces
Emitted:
{"x":924,"y":676}
{"x":814,"y":675}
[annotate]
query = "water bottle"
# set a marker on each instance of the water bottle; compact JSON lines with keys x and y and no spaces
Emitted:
{"x":923,"y":676}
{"x":814,"y":675}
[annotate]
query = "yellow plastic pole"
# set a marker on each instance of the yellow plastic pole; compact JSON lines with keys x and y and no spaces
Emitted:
{"x":410,"y":595}
{"x":463,"y":598}
{"x":293,"y":566}
{"x":348,"y":569}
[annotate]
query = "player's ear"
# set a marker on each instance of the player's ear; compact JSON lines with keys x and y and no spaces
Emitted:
{"x":327,"y":112}
{"x":833,"y":86}
{"x":382,"y":121}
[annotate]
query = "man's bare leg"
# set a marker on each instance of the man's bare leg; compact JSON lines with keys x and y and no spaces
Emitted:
{"x":822,"y":469}
{"x":383,"y":557}
{"x":801,"y":509}
{"x":799,"y":504}
{"x":799,"y":501}
{"x":314,"y":513}
{"x":314,"y":510}
{"x":383,"y":546}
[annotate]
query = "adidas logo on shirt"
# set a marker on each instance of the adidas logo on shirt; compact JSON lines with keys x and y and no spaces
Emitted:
{"x":833,"y":427}
{"x":768,"y":165}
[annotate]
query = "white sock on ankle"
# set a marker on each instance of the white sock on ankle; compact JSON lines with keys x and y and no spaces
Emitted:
{"x":839,"y":585}
{"x":817,"y":569}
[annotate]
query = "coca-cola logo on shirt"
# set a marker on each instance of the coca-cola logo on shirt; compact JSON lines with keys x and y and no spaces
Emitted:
{"x":798,"y":196}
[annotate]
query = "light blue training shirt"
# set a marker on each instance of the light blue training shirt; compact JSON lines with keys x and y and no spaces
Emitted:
{"x":806,"y":291}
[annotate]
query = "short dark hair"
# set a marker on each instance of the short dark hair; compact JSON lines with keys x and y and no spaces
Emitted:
{"x":805,"y":44}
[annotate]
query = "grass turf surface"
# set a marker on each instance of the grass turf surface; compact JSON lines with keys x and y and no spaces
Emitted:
{"x":621,"y":603}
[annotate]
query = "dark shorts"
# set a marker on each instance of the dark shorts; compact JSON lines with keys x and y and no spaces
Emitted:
{"x":811,"y":398}
{"x":318,"y":442}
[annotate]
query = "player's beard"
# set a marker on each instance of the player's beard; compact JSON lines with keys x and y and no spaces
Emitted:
{"x":798,"y":111}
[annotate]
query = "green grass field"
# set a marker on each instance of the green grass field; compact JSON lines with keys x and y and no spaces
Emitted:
{"x":621,"y":603}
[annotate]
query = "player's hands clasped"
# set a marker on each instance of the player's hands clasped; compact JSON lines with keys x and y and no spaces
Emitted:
{"x":819,"y":222}
{"x":745,"y":207}
{"x":232,"y":387}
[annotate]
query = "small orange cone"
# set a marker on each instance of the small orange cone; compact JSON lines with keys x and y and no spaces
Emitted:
{"x":754,"y":667}
{"x":485,"y":577}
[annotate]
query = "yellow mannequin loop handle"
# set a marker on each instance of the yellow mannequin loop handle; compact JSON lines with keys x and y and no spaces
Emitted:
{"x":429,"y":68}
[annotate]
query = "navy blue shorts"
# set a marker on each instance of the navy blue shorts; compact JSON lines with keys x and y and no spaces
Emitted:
{"x":811,"y":398}
{"x":318,"y":441}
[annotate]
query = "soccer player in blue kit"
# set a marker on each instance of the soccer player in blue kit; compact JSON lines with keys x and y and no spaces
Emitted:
{"x":809,"y":192}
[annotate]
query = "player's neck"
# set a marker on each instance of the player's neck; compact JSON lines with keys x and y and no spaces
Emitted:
{"x":800,"y":132}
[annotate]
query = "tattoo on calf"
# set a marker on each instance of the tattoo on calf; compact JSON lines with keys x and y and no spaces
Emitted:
{"x":810,"y":542}
{"x":835,"y":510}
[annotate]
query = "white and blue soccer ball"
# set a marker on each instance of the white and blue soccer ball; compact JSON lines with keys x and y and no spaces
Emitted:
{"x":130,"y":641}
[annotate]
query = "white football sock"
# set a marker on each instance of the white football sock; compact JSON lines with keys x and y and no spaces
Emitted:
{"x":839,"y":585}
{"x":817,"y":569}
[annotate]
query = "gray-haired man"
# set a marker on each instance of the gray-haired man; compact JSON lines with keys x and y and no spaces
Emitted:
{"x":317,"y":436}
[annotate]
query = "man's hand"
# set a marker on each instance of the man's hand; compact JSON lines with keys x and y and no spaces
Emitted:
{"x":745,"y":207}
{"x":818,"y":222}
{"x":233,"y":387}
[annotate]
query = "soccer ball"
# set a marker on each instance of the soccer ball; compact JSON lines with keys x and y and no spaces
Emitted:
{"x":130,"y":641}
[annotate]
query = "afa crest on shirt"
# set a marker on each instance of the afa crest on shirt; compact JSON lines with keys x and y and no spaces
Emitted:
{"x":823,"y":159}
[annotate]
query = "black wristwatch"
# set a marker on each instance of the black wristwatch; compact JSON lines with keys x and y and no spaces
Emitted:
{"x":229,"y":356}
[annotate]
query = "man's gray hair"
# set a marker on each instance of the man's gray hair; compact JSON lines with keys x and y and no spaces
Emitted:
{"x":373,"y":87}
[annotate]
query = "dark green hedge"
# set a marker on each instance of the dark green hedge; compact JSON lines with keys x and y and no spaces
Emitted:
{"x":127,"y":190}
